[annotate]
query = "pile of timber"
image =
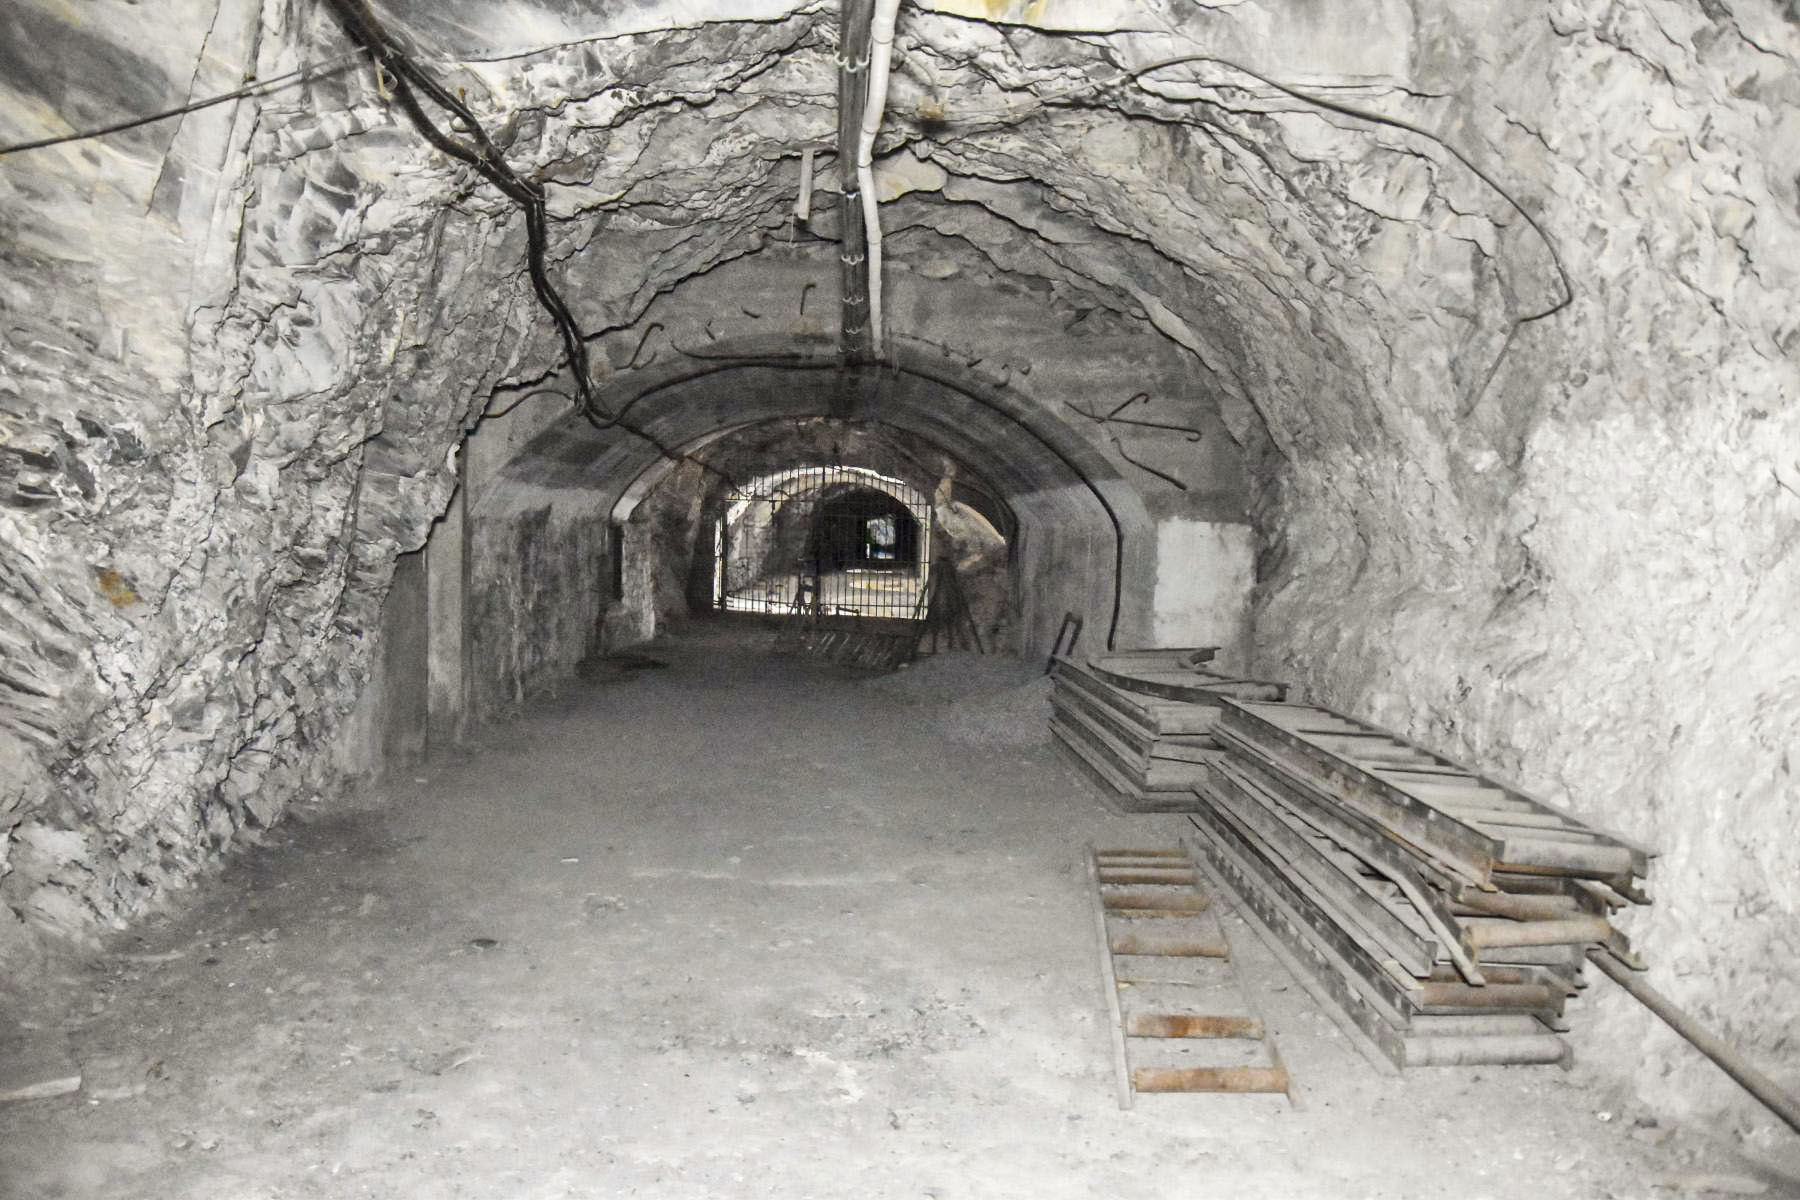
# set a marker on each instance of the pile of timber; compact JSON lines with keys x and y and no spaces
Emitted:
{"x":1140,"y":724}
{"x":1445,"y":917}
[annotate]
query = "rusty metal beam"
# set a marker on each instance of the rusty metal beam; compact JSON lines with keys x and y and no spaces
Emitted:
{"x":1210,"y":1079}
{"x":1783,"y":1104}
{"x":1131,"y":943}
{"x":1178,"y":903}
{"x":1171,"y":1025}
{"x":1147,"y":875}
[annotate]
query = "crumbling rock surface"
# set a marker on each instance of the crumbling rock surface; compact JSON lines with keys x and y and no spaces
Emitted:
{"x":240,"y":351}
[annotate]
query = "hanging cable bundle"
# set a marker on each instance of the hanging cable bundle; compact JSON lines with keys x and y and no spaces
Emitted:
{"x":407,"y":80}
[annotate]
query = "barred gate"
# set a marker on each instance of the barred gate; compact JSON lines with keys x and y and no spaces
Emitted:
{"x":824,"y":542}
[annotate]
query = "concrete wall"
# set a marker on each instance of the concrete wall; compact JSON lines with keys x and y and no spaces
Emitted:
{"x":539,"y":578}
{"x":1204,"y":584}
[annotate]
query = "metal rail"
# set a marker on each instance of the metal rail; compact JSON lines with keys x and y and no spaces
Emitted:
{"x":1723,"y":1054}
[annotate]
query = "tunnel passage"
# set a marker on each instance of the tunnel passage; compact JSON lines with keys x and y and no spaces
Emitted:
{"x":814,"y":541}
{"x":863,"y":529}
{"x":246,"y":347}
{"x":1074,"y":535}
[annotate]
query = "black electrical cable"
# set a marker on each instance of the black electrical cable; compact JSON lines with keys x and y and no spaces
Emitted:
{"x":365,"y":29}
{"x":260,"y":87}
{"x":1375,"y":118}
{"x":535,"y":392}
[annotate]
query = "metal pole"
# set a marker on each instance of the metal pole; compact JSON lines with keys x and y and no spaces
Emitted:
{"x":857,"y":340}
{"x":1728,"y":1059}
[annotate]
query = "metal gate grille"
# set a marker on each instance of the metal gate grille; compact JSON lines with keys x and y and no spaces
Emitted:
{"x":827,"y":541}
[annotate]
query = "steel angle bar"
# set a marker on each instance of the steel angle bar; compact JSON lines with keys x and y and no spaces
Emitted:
{"x":1264,"y":886}
{"x":1157,"y":716}
{"x":1110,"y":985}
{"x":1141,"y":738}
{"x":1187,"y":658}
{"x":1637,"y":854}
{"x":1462,"y":849}
{"x":1356,"y":835}
{"x":1109,"y":855}
{"x":1367,"y":958}
{"x":1118,"y":793}
{"x":1346,"y":889}
{"x":1433,"y":995}
{"x":1359,"y":1018}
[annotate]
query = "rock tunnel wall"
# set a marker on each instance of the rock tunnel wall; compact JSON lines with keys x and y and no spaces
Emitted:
{"x":1585,"y":577}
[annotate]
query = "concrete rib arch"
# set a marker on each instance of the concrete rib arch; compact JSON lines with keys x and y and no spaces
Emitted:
{"x":1084,"y":530}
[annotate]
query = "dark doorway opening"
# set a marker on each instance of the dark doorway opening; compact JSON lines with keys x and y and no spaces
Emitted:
{"x":864,"y":530}
{"x":831,"y":541}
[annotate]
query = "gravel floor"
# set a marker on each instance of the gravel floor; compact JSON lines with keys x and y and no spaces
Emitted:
{"x":738,"y":926}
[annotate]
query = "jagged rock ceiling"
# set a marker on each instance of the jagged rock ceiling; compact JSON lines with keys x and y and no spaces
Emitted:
{"x":241,"y":348}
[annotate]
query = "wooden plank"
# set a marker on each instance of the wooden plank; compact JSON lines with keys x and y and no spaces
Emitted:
{"x":1275,"y":896}
{"x":1111,"y":874}
{"x":1134,"y":945}
{"x":1182,"y":900}
{"x":1310,"y":965}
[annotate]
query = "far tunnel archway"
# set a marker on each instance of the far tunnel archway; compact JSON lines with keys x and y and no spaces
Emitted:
{"x":1081,"y":536}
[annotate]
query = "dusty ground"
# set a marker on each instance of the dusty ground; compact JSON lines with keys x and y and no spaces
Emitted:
{"x":736,"y":927}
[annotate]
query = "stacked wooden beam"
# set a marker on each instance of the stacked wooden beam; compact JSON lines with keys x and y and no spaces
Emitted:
{"x":1444,"y":916}
{"x":1140,"y":724}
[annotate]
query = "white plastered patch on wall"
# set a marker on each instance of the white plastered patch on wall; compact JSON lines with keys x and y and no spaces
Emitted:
{"x":1204,"y":573}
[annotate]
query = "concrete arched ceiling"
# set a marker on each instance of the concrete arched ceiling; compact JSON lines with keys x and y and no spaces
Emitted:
{"x":1025,"y":456}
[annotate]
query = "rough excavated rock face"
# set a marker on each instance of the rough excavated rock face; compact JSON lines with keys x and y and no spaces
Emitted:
{"x":241,"y":349}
